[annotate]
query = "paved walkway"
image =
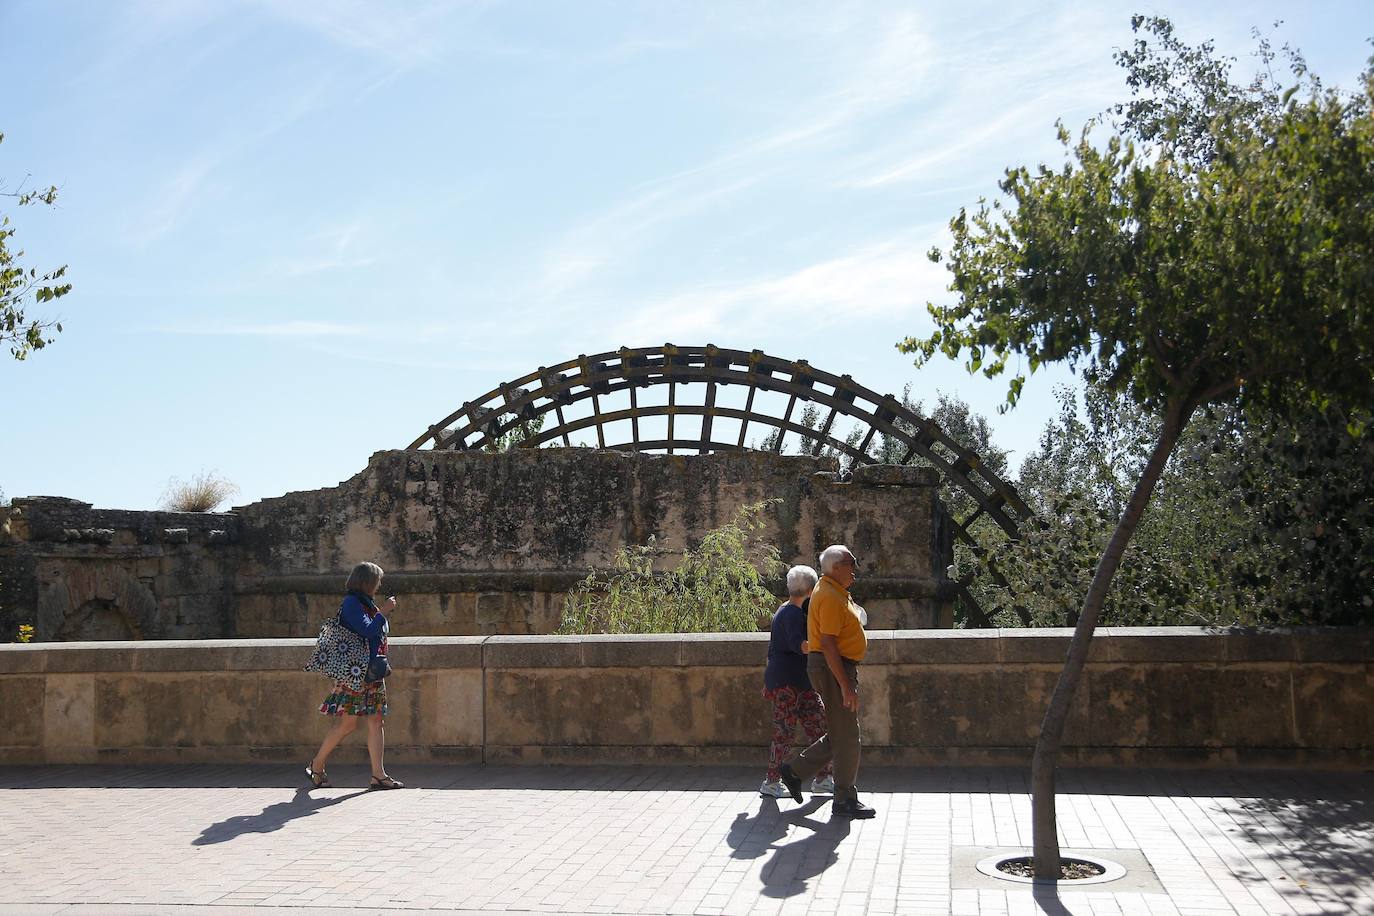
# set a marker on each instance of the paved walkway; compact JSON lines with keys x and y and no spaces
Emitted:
{"x":220,"y":840}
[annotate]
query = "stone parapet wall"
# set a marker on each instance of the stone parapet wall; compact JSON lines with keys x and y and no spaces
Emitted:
{"x":1167,"y":696}
{"x":474,"y":543}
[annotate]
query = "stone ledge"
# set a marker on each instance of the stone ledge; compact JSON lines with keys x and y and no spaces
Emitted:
{"x":1162,"y":645}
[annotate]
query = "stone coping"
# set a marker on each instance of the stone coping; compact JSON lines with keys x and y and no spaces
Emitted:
{"x":1185,"y":645}
{"x":545,"y":580}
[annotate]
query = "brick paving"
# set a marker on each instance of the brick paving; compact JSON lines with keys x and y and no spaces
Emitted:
{"x":225,"y":840}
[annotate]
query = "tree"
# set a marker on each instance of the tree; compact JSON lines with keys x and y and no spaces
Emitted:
{"x":1227,"y":260}
{"x":21,"y":333}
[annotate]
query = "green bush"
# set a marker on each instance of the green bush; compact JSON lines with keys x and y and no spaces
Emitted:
{"x":717,"y":587}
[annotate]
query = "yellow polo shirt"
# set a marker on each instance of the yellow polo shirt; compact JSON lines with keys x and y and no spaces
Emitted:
{"x":833,"y":613}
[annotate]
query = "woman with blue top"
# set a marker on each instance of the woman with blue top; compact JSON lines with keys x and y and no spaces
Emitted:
{"x":360,"y":614}
{"x":788,"y":687}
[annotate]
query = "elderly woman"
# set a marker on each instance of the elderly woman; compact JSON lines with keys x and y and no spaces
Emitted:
{"x":787,"y":686}
{"x":360,"y":614}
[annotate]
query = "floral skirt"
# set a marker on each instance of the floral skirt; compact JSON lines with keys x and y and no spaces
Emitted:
{"x":345,"y":701}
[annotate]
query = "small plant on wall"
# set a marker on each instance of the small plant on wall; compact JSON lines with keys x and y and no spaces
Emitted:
{"x":717,"y":587}
{"x":202,"y":493}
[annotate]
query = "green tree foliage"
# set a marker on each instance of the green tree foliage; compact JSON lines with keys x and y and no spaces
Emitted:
{"x":1253,"y":521}
{"x":520,"y":433}
{"x":1225,"y":259}
{"x":21,"y":333}
{"x":1309,"y":488}
{"x":719,"y":586}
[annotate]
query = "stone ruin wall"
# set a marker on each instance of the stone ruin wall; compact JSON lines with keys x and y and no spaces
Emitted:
{"x":77,"y":573}
{"x":474,"y":543}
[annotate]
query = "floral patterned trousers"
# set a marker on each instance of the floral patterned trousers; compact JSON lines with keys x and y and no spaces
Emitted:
{"x":790,"y":707}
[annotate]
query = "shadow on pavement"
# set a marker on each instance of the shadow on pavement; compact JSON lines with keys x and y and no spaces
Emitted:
{"x":793,"y":863}
{"x":796,"y":863}
{"x":271,"y":818}
{"x":751,"y":837}
{"x":1047,"y":900}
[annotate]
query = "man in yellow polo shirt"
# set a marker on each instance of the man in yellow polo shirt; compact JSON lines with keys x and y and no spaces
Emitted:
{"x":835,"y":633}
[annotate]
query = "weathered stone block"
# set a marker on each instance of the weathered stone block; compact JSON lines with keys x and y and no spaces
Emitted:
{"x":749,"y":649}
{"x":69,"y":714}
{"x":637,"y":651}
{"x":1217,"y":706}
{"x":121,"y":712}
{"x":24,"y":659}
{"x":532,"y":652}
{"x":287,"y":714}
{"x":432,"y":652}
{"x":1166,"y":644}
{"x":1118,"y":705}
{"x":1049,"y":645}
{"x":535,"y":706}
{"x":1334,"y":704}
{"x":21,"y":711}
{"x":947,"y":647}
{"x":708,"y":706}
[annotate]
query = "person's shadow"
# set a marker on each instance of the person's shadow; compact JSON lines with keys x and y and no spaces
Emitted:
{"x":269,"y":819}
{"x":794,"y":864}
{"x":751,"y":837}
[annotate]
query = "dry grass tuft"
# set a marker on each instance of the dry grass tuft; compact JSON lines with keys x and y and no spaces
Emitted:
{"x":202,"y":493}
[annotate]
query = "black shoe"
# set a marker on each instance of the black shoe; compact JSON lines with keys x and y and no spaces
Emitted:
{"x":852,"y":807}
{"x":792,"y":781}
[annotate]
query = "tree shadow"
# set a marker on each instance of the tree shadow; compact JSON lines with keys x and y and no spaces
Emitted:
{"x":1046,"y":897}
{"x":794,"y":864}
{"x":271,"y":818}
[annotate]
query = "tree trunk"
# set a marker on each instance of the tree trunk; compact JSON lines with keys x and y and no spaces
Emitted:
{"x":1044,"y":831}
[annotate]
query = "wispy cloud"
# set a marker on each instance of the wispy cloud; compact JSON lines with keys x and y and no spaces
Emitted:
{"x":402,"y":33}
{"x":292,"y":329}
{"x":330,"y":249}
{"x":1029,"y":73}
{"x":891,"y":278}
{"x":178,"y":195}
{"x":876,"y":75}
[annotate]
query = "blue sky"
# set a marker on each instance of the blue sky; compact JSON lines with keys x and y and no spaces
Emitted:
{"x":301,"y":232}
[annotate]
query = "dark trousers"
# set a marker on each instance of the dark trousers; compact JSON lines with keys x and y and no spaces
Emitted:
{"x":840,"y":743}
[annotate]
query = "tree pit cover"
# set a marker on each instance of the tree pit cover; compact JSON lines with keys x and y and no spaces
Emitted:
{"x":1069,"y":869}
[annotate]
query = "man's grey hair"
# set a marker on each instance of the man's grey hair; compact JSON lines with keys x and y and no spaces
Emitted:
{"x":832,"y":555}
{"x":363,"y":577}
{"x":800,"y":580}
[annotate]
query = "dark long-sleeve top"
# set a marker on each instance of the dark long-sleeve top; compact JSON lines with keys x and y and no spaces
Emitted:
{"x":360,"y":614}
{"x":786,"y":664}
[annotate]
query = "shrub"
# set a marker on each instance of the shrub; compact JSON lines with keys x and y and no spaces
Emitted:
{"x":718,"y":587}
{"x":202,"y":493}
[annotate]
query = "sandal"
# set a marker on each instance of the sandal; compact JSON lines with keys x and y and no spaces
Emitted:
{"x":318,"y":778}
{"x":385,"y":782}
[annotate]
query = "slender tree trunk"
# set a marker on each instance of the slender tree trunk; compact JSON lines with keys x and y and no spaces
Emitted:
{"x":1044,"y":831}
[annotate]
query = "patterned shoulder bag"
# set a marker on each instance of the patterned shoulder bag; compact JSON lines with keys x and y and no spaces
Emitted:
{"x":340,"y":654}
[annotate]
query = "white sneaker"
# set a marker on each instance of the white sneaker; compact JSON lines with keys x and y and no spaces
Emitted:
{"x":823,"y":785}
{"x":774,"y":789}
